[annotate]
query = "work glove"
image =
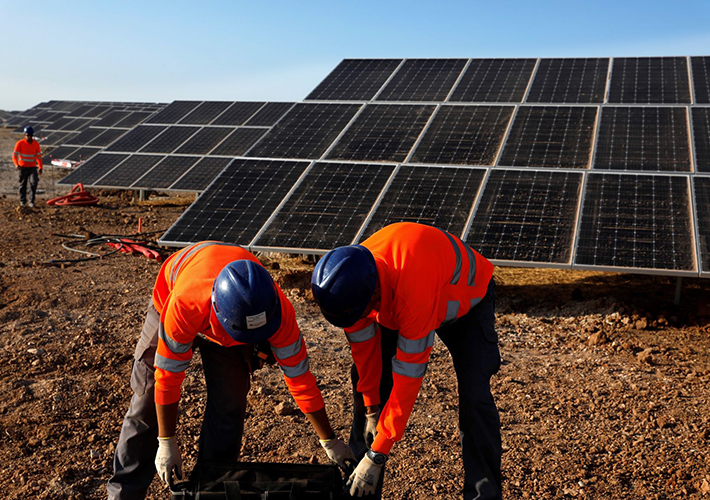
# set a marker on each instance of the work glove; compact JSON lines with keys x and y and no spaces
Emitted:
{"x":371,"y":420}
{"x":339,"y":452}
{"x":168,"y":458}
{"x":363,"y":481}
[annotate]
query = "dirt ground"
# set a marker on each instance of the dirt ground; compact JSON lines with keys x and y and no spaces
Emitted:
{"x":603,"y":392}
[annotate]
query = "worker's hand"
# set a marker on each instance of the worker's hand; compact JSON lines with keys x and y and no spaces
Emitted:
{"x":371,"y":420}
{"x":339,"y":452}
{"x":39,"y":172}
{"x":365,"y":478}
{"x":168,"y":458}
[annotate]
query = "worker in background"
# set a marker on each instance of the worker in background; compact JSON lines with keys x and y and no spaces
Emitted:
{"x":391,"y":294}
{"x":27,"y":158}
{"x":216,"y":297}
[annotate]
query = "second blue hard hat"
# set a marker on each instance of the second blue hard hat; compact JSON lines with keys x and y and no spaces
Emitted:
{"x":29,"y":130}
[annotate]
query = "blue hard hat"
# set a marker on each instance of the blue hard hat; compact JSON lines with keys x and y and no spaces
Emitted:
{"x":246,"y":301}
{"x":343,"y":283}
{"x":29,"y":130}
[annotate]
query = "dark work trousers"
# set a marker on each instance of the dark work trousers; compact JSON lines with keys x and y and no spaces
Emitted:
{"x":227,"y":380}
{"x":28,"y":174}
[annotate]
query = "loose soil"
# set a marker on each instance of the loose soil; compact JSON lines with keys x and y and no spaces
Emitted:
{"x":603,"y":392}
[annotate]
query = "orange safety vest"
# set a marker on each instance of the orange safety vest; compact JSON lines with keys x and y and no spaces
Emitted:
{"x":26,"y":154}
{"x":428,"y":278}
{"x":182,"y":295}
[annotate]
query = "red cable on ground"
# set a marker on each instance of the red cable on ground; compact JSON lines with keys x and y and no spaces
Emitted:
{"x":77,"y":196}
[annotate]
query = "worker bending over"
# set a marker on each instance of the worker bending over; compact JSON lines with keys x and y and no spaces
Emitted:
{"x":391,"y":294}
{"x":216,"y":297}
{"x":27,"y":157}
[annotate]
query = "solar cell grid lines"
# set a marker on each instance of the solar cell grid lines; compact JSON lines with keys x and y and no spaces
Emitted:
{"x":464,"y":135}
{"x":643,"y":138}
{"x":237,"y":113}
{"x":239,"y":141}
{"x":437,"y":196}
{"x":201,"y":174}
{"x":93,"y":169}
{"x":701,"y":79}
{"x":205,"y":112}
{"x":269,"y":114}
{"x":129,"y":171}
{"x":136,"y":138}
{"x":355,"y":80}
{"x":649,"y":80}
{"x":204,"y":140}
{"x":494,"y":80}
{"x":306,"y":131}
{"x":382,"y":132}
{"x":173,"y":112}
{"x":325,"y":211}
{"x":581,"y":81}
{"x":420,"y":80}
{"x":163,"y":174}
{"x":701,"y":137}
{"x":701,"y":186}
{"x":527,"y":216}
{"x":550,"y":136}
{"x":636,"y":222}
{"x":170,"y":139}
{"x":238,"y":203}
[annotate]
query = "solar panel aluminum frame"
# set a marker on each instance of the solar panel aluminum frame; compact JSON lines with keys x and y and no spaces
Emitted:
{"x":696,"y":232}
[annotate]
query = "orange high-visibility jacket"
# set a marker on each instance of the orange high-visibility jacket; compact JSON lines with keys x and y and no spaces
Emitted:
{"x":427,"y":278}
{"x":26,"y":154}
{"x":182,"y":295}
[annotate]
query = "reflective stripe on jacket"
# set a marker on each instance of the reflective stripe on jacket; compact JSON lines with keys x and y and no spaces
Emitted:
{"x":26,"y":154}
{"x":182,"y":295}
{"x":428,"y":278}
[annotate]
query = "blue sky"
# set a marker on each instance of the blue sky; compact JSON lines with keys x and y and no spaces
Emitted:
{"x":160,"y":51}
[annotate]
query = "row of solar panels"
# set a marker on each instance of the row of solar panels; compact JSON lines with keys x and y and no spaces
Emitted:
{"x":622,"y":80}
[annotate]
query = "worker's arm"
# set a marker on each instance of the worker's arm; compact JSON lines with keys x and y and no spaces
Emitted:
{"x":39,"y":158}
{"x":365,"y":342}
{"x":16,"y":156}
{"x":167,"y":419}
{"x":321,"y":424}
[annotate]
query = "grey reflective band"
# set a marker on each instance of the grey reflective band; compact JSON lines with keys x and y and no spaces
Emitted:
{"x":457,"y":271}
{"x":289,"y":350}
{"x":452,"y":311}
{"x":411,"y":370}
{"x":474,"y":302}
{"x":170,"y":365}
{"x":471,"y":265}
{"x":295,"y":371}
{"x":174,"y":346}
{"x":181,"y":260}
{"x":362,"y":335}
{"x":26,"y":157}
{"x":415,"y":346}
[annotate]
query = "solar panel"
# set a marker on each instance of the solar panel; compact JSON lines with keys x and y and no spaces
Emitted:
{"x":112,"y":118}
{"x":306,"y":131}
{"x":420,"y":80}
{"x":581,"y":81}
{"x":56,"y":138}
{"x":133,"y":119}
{"x":239,"y":141}
{"x":649,"y":80}
{"x":701,"y":137}
{"x":355,"y":80}
{"x":550,"y":136}
{"x":107,"y":137}
{"x":238,"y":203}
{"x":136,"y":138}
{"x":174,"y":112}
{"x":85,"y":137}
{"x":325,"y":211}
{"x":170,"y":140}
{"x":494,"y":80}
{"x":643,"y":138}
{"x":464,"y":135}
{"x":701,"y":187}
{"x":204,"y":141}
{"x":92,"y":170}
{"x":269,"y":114}
{"x":200,"y":176}
{"x":382,"y":132}
{"x":636,"y":222}
{"x":162,"y":175}
{"x":238,"y":113}
{"x":129,"y":171}
{"x":61,"y":153}
{"x":82,"y":154}
{"x":701,"y":79}
{"x":436,"y":196}
{"x":205,"y":112}
{"x":527,"y":216}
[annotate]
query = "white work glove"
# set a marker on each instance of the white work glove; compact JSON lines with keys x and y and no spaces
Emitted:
{"x":365,"y":478}
{"x":339,"y":452}
{"x":168,"y":458}
{"x":371,"y":420}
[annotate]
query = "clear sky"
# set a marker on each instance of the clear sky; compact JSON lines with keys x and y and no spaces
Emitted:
{"x":262,"y":50}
